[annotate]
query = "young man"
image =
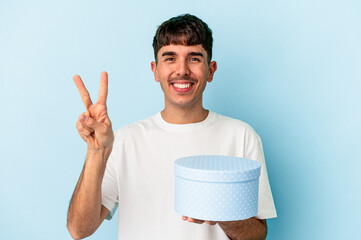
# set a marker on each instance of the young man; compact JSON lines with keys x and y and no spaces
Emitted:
{"x":133,"y":169}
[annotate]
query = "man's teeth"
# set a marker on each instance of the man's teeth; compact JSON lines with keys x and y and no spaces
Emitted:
{"x":182,"y":85}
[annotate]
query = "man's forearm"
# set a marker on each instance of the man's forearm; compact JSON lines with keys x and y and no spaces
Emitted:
{"x":249,"y":229}
{"x":85,"y":207}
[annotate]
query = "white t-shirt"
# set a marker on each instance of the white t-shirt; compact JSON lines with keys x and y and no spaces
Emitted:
{"x":139,"y":177}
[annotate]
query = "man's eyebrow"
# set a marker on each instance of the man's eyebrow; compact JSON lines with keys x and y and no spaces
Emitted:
{"x":195,"y":54}
{"x":170,"y":53}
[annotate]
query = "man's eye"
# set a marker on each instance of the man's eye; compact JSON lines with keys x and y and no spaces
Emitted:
{"x":169,"y":59}
{"x":195,"y":60}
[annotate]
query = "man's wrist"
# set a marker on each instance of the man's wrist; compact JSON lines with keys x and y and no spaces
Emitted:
{"x":100,"y":151}
{"x":251,"y":228}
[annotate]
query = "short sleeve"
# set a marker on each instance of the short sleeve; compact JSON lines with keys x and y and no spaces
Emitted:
{"x":254,"y":151}
{"x":110,"y":185}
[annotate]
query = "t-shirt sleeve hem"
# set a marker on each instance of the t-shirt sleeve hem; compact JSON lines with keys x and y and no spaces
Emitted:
{"x":112,"y":207}
{"x":266,"y":215}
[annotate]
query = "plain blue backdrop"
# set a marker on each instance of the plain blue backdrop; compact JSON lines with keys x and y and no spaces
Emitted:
{"x":291,"y":69}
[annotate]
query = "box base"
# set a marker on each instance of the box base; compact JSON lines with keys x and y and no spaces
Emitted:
{"x":216,"y":201}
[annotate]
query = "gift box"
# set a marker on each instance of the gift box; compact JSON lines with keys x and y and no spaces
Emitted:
{"x":216,"y":188}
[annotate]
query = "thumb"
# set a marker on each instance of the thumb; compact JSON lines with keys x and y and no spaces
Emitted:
{"x":90,"y":123}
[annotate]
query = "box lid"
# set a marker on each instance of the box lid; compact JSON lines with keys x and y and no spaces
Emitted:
{"x":217,"y":168}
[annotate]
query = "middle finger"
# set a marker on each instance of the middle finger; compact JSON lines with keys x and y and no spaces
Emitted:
{"x":83,"y":92}
{"x":195,"y":220}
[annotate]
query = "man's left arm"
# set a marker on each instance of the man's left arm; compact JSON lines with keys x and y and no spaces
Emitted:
{"x":249,"y":229}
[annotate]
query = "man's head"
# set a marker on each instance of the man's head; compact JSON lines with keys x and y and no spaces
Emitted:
{"x":185,"y":30}
{"x":183,"y":67}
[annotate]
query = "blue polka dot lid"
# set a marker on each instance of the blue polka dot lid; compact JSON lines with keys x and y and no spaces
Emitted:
{"x":216,"y":188}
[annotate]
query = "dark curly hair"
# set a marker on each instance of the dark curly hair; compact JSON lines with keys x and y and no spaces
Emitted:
{"x":185,"y":30}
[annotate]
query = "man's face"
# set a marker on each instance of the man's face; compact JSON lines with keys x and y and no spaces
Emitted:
{"x":183,"y":72}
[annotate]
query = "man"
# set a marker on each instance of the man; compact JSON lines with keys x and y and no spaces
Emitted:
{"x":133,"y":169}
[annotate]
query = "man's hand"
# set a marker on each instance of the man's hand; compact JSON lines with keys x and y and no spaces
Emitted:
{"x":192,"y":220}
{"x":250,"y":229}
{"x":94,"y":125}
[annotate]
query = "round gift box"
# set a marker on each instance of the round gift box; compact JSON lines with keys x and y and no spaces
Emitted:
{"x":216,"y":188}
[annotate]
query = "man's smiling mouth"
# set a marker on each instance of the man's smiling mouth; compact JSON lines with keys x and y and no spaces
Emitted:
{"x":182,"y":85}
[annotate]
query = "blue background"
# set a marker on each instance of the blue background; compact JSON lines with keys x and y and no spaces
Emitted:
{"x":291,"y":69}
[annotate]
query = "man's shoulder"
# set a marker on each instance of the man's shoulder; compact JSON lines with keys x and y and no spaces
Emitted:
{"x":140,"y":125}
{"x":223,"y":119}
{"x":235,"y":124}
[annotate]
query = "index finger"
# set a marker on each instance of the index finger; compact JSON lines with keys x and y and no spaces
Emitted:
{"x":83,"y":92}
{"x":103,"y":90}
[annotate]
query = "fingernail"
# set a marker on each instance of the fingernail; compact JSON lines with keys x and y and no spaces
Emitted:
{"x":84,"y":118}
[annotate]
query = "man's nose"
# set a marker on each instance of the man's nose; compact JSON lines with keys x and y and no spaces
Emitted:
{"x":182,"y":68}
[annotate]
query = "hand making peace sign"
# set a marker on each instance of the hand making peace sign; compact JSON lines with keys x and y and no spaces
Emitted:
{"x":94,"y":125}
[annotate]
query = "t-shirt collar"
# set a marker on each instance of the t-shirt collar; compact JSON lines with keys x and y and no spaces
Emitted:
{"x":189,"y":127}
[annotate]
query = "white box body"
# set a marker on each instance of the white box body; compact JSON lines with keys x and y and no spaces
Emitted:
{"x":216,"y":188}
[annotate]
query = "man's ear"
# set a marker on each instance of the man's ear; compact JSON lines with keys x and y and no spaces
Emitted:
{"x":153,"y":66}
{"x":212,"y":69}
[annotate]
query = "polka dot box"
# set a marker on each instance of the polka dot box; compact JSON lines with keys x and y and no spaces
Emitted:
{"x":216,"y":188}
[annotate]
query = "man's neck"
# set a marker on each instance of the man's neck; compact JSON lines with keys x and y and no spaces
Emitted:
{"x":184,"y":116}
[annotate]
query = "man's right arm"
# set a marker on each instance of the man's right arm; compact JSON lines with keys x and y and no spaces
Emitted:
{"x":86,"y":211}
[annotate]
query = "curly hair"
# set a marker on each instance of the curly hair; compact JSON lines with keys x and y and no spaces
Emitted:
{"x":185,"y":30}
